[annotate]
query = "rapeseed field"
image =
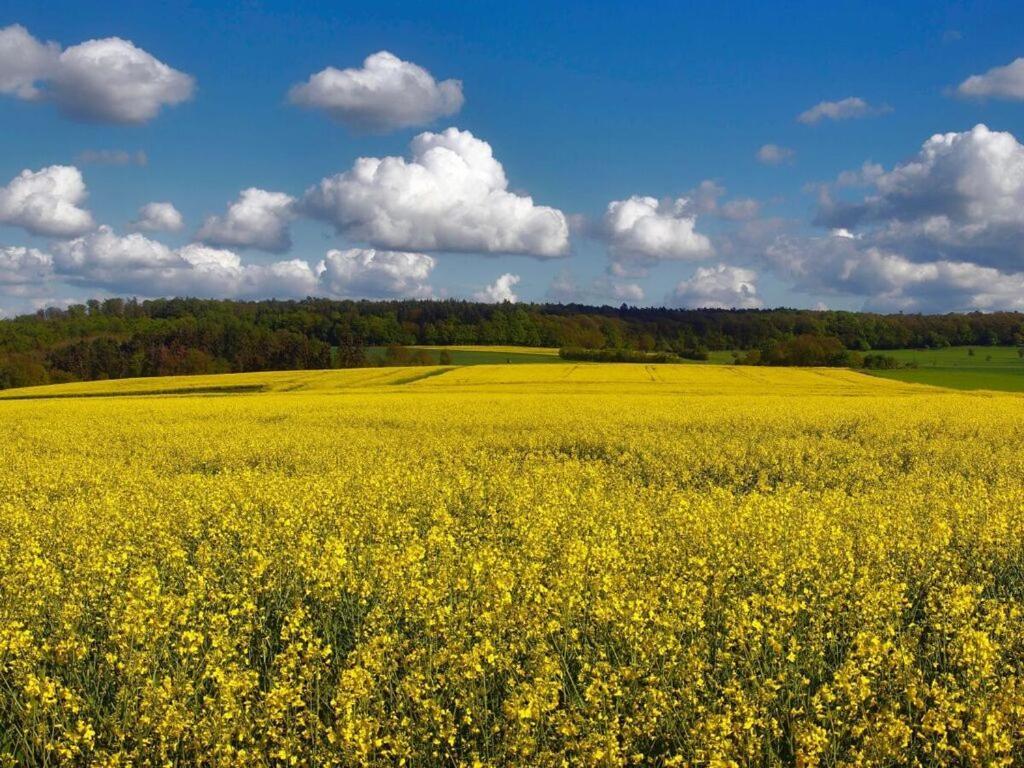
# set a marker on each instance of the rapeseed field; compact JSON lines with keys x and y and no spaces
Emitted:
{"x":597,"y":565}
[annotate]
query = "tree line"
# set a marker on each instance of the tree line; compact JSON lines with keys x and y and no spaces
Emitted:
{"x":117,"y":338}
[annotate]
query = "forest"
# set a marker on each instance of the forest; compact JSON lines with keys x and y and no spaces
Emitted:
{"x":118,"y":338}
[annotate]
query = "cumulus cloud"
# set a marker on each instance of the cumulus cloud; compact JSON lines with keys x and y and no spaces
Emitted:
{"x":21,"y":267}
{"x":773,"y":154}
{"x":844,"y":109}
{"x":24,"y":62}
{"x":134,"y":263}
{"x":998,"y":83}
{"x":159,"y":217}
{"x":837,"y":263}
{"x":720,"y":287}
{"x":452,"y":195}
{"x":961,"y":196}
{"x":111,"y":80}
{"x":112,"y":157}
{"x":218,"y":272}
{"x":888,"y":280}
{"x":386,"y":94}
{"x":369,"y":273}
{"x":103,"y":254}
{"x":942,"y":231}
{"x":107,"y":80}
{"x":643,"y":230}
{"x":627,"y":292}
{"x":46,"y":202}
{"x":500,"y":290}
{"x":258,"y":219}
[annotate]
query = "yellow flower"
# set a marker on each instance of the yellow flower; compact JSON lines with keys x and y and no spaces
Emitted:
{"x":515,"y":565}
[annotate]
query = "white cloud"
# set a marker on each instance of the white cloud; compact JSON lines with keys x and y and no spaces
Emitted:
{"x":387,"y":93}
{"x":844,"y":109}
{"x":999,"y":82}
{"x":112,"y":157}
{"x":961,"y":197}
{"x":159,"y":217}
{"x":103,"y":255}
{"x":20,"y":266}
{"x":889,"y":281}
{"x":720,"y":287}
{"x":258,"y":219}
{"x":215,"y":272}
{"x":107,"y":80}
{"x":136,"y":264}
{"x":369,"y":273}
{"x":111,"y":80}
{"x":500,"y":290}
{"x":203,"y":257}
{"x":773,"y":154}
{"x":293,"y":277}
{"x":46,"y":202}
{"x":451,"y":196}
{"x":24,"y":61}
{"x":643,"y":230}
{"x":628,"y":292}
{"x":942,"y":231}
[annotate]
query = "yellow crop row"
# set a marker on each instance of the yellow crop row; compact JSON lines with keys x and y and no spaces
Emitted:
{"x":520,"y":565}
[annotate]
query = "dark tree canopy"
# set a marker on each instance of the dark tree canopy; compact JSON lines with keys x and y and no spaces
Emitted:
{"x":118,"y":338}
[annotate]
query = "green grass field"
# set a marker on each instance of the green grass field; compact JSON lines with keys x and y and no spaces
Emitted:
{"x":723,"y":357}
{"x":996,"y":368}
{"x":999,"y":368}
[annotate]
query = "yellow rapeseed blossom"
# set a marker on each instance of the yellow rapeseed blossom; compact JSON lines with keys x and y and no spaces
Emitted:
{"x":542,"y":565}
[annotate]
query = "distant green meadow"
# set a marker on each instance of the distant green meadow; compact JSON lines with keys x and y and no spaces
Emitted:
{"x":997,"y":368}
{"x":1000,"y":368}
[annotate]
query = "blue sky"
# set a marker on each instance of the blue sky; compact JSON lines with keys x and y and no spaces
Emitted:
{"x":583,"y":105}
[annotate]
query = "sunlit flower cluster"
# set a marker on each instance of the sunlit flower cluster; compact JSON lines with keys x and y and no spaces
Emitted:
{"x":514,"y":565}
